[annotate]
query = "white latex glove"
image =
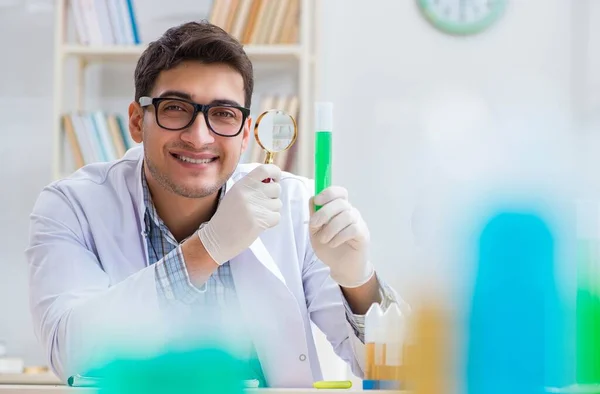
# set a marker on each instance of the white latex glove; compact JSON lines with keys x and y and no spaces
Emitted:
{"x":340,"y":237}
{"x":246,"y":210}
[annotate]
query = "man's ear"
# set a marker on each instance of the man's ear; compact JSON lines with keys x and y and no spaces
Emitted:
{"x":246,"y":133}
{"x":136,"y":118}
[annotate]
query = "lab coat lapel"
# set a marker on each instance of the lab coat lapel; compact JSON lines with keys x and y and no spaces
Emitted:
{"x":264,"y":257}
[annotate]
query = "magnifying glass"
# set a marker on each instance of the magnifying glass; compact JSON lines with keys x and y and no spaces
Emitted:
{"x":275,"y":132}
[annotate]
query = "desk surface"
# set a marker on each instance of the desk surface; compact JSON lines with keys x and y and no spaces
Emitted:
{"x":39,"y":389}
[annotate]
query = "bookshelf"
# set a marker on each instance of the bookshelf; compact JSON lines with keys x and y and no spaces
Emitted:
{"x":293,"y":47}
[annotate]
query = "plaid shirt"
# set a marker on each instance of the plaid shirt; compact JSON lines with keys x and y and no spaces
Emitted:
{"x":174,"y":284}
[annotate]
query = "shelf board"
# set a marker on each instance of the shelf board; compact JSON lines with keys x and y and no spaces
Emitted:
{"x":46,"y":378}
{"x":132,"y":52}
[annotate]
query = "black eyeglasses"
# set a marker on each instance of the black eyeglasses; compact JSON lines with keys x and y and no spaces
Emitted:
{"x":177,"y":114}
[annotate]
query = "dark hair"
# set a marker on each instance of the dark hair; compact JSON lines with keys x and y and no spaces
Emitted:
{"x":201,"y":41}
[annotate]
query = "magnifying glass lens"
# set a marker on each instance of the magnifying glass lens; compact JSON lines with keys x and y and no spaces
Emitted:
{"x":275,"y":132}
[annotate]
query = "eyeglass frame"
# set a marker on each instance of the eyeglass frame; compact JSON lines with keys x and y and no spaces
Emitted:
{"x":146,"y":101}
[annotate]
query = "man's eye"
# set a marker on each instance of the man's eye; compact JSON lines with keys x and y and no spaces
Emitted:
{"x":174,"y":107}
{"x":224,"y":114}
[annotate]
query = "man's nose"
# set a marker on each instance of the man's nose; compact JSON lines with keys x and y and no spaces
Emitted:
{"x":198,"y":134}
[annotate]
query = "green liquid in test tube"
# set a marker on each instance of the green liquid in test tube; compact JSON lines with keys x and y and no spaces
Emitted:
{"x":588,"y":294}
{"x":323,"y":146}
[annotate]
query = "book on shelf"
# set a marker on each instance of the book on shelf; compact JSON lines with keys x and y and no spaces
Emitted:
{"x":105,"y":22}
{"x":258,"y":22}
{"x":96,"y":136}
{"x":289,"y":104}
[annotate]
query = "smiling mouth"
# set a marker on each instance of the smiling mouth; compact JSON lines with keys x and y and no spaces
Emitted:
{"x":194,"y":161}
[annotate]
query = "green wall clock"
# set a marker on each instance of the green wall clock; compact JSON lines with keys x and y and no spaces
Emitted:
{"x":462,"y":17}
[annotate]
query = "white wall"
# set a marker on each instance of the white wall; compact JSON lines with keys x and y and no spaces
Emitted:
{"x":25,"y":111}
{"x":393,"y":79}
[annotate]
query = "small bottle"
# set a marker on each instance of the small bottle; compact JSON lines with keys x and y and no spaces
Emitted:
{"x":394,"y":331}
{"x":374,"y":342}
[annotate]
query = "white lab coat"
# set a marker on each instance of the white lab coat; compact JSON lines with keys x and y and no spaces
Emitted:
{"x":93,"y":290}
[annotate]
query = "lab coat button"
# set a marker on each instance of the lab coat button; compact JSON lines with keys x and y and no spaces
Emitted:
{"x":302,"y":357}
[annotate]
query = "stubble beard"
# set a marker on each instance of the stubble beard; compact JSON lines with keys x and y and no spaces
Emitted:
{"x":171,"y":185}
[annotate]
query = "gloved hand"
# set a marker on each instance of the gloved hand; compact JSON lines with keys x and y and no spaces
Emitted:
{"x":245,"y":211}
{"x":340,"y":237}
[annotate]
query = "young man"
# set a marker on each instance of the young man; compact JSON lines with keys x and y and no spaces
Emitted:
{"x":178,"y":228}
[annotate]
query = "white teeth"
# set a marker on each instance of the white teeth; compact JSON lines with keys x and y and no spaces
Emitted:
{"x":194,"y":161}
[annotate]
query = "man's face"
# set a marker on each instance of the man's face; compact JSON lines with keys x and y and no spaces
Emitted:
{"x":193,"y":162}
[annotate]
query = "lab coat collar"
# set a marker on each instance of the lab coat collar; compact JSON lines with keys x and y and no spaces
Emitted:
{"x":134,"y":182}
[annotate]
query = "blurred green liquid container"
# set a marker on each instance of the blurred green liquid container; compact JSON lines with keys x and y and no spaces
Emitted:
{"x":588,"y":293}
{"x":207,"y":371}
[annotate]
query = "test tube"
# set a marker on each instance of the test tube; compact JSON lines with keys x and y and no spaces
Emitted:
{"x":323,"y":146}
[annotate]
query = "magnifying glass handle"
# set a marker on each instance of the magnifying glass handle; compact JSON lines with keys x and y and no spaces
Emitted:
{"x":268,"y":160}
